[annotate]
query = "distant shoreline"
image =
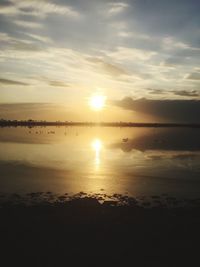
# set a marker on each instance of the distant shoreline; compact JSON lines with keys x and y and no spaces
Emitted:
{"x":32,"y":123}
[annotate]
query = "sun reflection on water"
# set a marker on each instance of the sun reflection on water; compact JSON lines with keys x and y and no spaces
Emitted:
{"x":97,"y":147}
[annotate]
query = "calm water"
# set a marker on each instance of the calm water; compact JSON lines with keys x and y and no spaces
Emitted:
{"x":74,"y":159}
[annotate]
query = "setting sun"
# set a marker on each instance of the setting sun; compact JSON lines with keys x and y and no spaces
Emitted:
{"x":97,"y":102}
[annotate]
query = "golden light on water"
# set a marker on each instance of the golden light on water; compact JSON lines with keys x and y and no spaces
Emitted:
{"x":97,"y":146}
{"x":97,"y":102}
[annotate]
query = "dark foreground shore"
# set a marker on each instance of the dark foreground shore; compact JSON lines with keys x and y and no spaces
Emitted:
{"x":95,"y":230}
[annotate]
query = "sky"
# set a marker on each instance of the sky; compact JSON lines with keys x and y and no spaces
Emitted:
{"x":143,"y":56}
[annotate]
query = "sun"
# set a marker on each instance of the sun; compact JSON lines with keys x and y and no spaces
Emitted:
{"x":97,"y":102}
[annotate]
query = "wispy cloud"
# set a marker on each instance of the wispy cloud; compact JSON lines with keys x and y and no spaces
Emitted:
{"x":184,"y":93}
{"x":28,"y":24}
{"x":14,"y":43}
{"x":113,"y":70}
{"x":116,"y":8}
{"x":40,"y":38}
{"x":194,"y":76}
{"x":58,"y":84}
{"x":25,"y":111}
{"x":39,"y":8}
{"x":169,"y":43}
{"x":129,"y":54}
{"x":11,"y":82}
{"x":4,"y":37}
{"x":156,"y":91}
{"x":108,"y":68}
{"x":192,"y":93}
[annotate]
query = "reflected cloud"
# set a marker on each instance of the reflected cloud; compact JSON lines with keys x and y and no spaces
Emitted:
{"x":163,"y":140}
{"x":171,"y":155}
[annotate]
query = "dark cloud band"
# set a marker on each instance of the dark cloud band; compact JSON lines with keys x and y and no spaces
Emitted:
{"x":11,"y":82}
{"x":164,"y":110}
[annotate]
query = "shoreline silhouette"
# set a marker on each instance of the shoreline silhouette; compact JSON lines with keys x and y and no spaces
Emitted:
{"x":82,"y":228}
{"x":33,"y":123}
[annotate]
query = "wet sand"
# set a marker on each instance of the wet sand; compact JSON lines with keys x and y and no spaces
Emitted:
{"x":44,"y":229}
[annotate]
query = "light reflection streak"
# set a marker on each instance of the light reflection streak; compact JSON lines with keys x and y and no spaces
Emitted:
{"x":97,"y":147}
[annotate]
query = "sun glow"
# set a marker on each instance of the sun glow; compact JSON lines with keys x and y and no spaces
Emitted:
{"x":97,"y":102}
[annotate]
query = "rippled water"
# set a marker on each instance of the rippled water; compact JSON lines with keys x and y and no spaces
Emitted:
{"x":135,"y":161}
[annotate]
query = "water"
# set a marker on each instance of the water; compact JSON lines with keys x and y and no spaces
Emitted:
{"x":134,"y":161}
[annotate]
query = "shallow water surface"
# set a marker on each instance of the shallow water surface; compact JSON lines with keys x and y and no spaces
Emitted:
{"x":135,"y":161}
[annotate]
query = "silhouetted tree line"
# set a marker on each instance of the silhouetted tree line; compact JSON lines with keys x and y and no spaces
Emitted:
{"x":32,"y":123}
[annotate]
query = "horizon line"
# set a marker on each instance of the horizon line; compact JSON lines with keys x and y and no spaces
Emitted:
{"x":32,"y":123}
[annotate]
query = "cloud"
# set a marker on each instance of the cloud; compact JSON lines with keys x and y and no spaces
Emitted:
{"x":28,"y":24}
{"x":194,"y":76}
{"x":24,"y":106}
{"x":11,"y":82}
{"x":187,"y":93}
{"x":131,"y":34}
{"x":58,"y":84}
{"x":186,"y":156}
{"x":116,"y":8}
{"x":174,"y":61}
{"x":4,"y":37}
{"x":9,"y":9}
{"x":125,"y":34}
{"x":26,"y":110}
{"x":36,"y":111}
{"x":37,"y":8}
{"x":156,"y":91}
{"x":176,"y":52}
{"x":129,"y":54}
{"x":113,"y":70}
{"x":164,"y":110}
{"x":13,"y":44}
{"x":108,"y":68}
{"x":40,"y":38}
{"x":24,"y":47}
{"x":4,"y":3}
{"x":170,"y":43}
